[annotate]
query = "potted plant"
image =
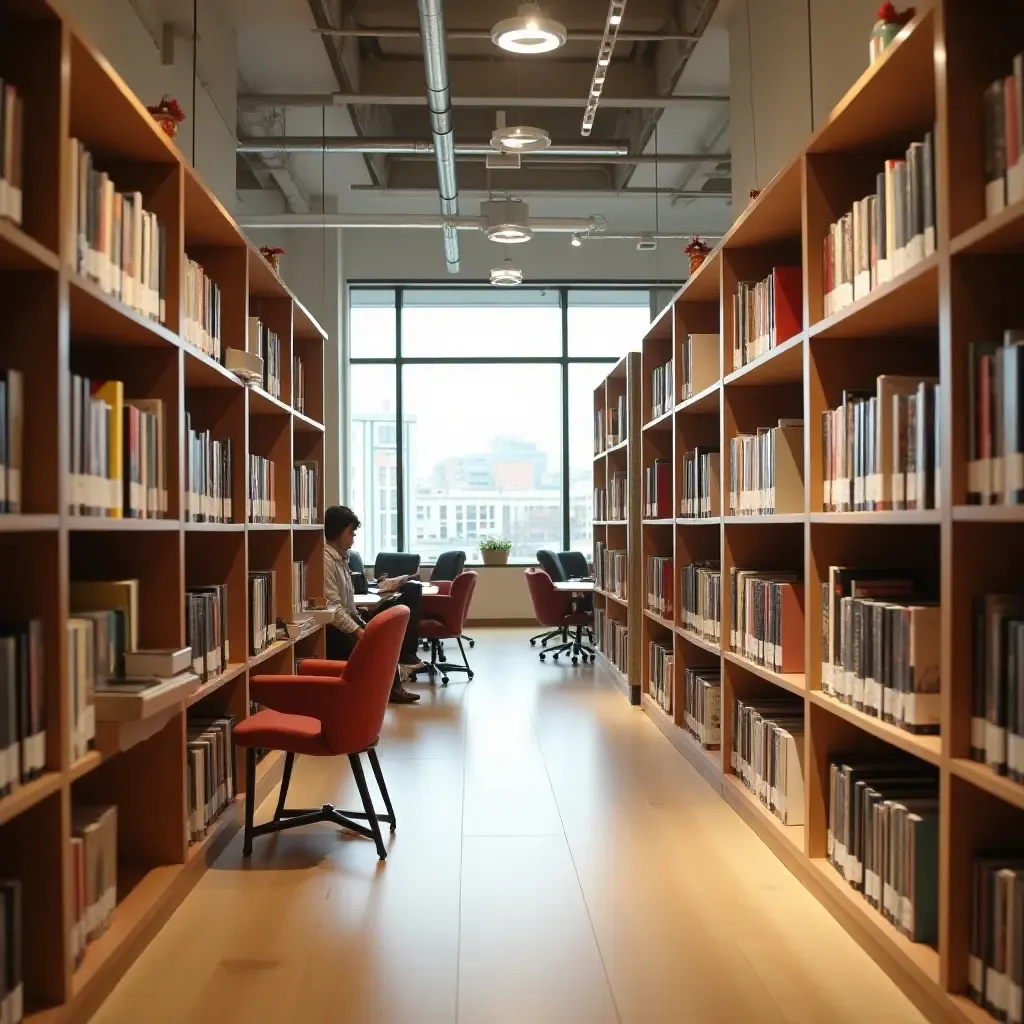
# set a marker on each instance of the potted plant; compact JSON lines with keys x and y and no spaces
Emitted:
{"x":495,"y":550}
{"x":272,"y":254}
{"x":167,"y":114}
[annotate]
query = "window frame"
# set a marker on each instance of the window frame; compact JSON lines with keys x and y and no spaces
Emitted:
{"x":564,"y":360}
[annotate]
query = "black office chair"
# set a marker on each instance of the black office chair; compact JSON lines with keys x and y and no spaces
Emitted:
{"x":577,"y":567}
{"x":396,"y":563}
{"x":552,"y":565}
{"x":449,"y":564}
{"x":358,"y":572}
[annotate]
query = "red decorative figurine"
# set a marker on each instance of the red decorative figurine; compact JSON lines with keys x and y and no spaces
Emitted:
{"x":272,"y":254}
{"x":888,"y":26}
{"x":697,"y":251}
{"x":168,"y":115}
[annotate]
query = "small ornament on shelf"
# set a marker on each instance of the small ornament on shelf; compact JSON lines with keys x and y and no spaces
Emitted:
{"x":272,"y":254}
{"x":888,"y":26}
{"x":168,"y":115}
{"x":754,"y":193}
{"x":697,"y":250}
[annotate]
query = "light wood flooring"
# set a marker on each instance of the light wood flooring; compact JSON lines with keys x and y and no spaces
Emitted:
{"x":556,"y":860}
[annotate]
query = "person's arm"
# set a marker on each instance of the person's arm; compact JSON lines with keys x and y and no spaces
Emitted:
{"x":345,"y":616}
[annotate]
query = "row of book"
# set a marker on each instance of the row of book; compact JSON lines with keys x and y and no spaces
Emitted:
{"x":700,"y":599}
{"x":660,"y":591}
{"x":880,"y":646}
{"x":118,"y":463}
{"x":1003,"y":139}
{"x":618,"y":492}
{"x":261,"y":500}
{"x":265,"y":343}
{"x":611,"y":568}
{"x":298,"y":385}
{"x":211,"y":784}
{"x":92,"y":652}
{"x":208,"y":476}
{"x":663,"y":383}
{"x":610,"y":425}
{"x":995,"y":963}
{"x":94,"y":868}
{"x":995,"y":421}
{"x":121,"y":246}
{"x":12,"y":150}
{"x":206,"y":629}
{"x":300,"y":587}
{"x":765,"y":314}
{"x":701,"y":483}
{"x":767,"y":753}
{"x":600,"y":508}
{"x":883,"y":838}
{"x":12,"y":439}
{"x":12,"y":991}
{"x":880,"y":448}
{"x":658,"y":490}
{"x":661,"y":673}
{"x":612,"y":640}
{"x":702,"y":705}
{"x":699,"y":361}
{"x":22,"y":703}
{"x":766,"y":470}
{"x":886,"y":233}
{"x":262,"y":614}
{"x":305,"y":491}
{"x":767,"y":618}
{"x":201,"y":315}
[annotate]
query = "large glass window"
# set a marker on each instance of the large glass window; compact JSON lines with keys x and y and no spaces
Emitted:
{"x":494,"y":390}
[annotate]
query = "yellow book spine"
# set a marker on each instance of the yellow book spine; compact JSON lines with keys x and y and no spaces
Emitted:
{"x":112,"y":392}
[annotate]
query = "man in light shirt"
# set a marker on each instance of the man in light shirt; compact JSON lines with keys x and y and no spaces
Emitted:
{"x":340,"y":525}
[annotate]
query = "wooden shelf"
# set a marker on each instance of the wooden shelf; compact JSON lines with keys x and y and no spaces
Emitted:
{"x":99,"y":316}
{"x":268,"y":527}
{"x":20,"y":251}
{"x":610,"y":522}
{"x":191,"y":527}
{"x":1002,"y":233}
{"x":28,"y":523}
{"x":659,"y":619}
{"x":28,"y":795}
{"x":739,"y":797}
{"x":662,"y":422}
{"x":269,"y":652}
{"x":101,"y":524}
{"x":85,"y":764}
{"x":927,"y":748}
{"x":705,"y":284}
{"x":910,"y":517}
{"x":704,"y":401}
{"x":203,"y":371}
{"x":774,"y":216}
{"x":264,"y":404}
{"x":658,"y":522}
{"x":698,"y":641}
{"x":782,"y":364}
{"x":988,"y":513}
{"x":215,"y":683}
{"x":307,"y":527}
{"x":794,"y":682}
{"x":760,"y":520}
{"x":984,"y":778}
{"x":698,"y":520}
{"x":613,"y":597}
{"x":620,"y":447}
{"x":304,"y":423}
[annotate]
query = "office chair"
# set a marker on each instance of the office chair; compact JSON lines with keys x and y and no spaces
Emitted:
{"x":576,"y":567}
{"x":442,"y":617}
{"x":551,"y":564}
{"x":552,"y":608}
{"x":396,"y":563}
{"x":449,"y":564}
{"x":358,"y":572}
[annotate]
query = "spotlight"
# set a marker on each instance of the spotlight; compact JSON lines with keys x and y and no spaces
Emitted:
{"x":576,"y":241}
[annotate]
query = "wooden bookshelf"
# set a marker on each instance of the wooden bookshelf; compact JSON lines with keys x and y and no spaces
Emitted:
{"x":921,"y":323}
{"x":55,"y":319}
{"x":623,"y":381}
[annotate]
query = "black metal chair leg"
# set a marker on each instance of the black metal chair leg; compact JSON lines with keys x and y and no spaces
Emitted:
{"x":469,"y":671}
{"x":250,"y":799}
{"x":286,"y":778}
{"x":364,"y":795}
{"x":379,"y":776}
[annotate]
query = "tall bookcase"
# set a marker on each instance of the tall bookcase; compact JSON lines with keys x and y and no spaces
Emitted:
{"x":621,"y":533}
{"x":921,"y":322}
{"x":56,"y":323}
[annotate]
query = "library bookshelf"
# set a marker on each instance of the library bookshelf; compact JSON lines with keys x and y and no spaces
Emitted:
{"x":57,"y":323}
{"x":920,"y":323}
{"x":620,"y":390}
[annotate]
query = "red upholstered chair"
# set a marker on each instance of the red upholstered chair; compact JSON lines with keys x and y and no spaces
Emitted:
{"x":339,"y":713}
{"x":555,"y":609}
{"x":443,"y":617}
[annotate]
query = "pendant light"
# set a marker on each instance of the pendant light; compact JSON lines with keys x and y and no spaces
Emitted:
{"x":507,"y":275}
{"x":530,"y":31}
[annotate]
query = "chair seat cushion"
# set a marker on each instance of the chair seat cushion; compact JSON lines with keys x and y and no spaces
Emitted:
{"x":294,"y":734}
{"x":434,"y":628}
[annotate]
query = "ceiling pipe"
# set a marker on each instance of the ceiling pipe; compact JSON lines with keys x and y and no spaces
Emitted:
{"x":258,"y":101}
{"x":435,"y":70}
{"x":540,"y":225}
{"x":571,"y":37}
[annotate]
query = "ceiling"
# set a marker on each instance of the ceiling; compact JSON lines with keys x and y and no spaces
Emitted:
{"x":289,"y":68}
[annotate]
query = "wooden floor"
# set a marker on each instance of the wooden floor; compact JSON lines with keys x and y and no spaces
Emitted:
{"x":556,"y":860}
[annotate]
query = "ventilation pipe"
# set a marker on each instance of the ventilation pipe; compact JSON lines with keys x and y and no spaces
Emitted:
{"x":439,"y":103}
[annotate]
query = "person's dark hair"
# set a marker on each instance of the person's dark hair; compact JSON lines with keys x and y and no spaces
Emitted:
{"x":337,"y":519}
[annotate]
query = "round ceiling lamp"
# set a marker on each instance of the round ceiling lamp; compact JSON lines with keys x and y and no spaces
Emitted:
{"x":519,"y":138}
{"x":506,"y":276}
{"x":506,"y":221}
{"x":530,"y":31}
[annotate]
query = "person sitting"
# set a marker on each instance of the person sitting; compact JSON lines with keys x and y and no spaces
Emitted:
{"x":340,"y":525}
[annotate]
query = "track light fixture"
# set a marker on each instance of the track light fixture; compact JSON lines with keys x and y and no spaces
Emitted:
{"x":616,"y":9}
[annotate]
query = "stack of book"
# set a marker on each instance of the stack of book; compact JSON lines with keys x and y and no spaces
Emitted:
{"x":113,"y":608}
{"x":702,"y":706}
{"x":659,"y":586}
{"x":662,"y":390}
{"x":22,"y":703}
{"x":305,"y":488}
{"x":201,"y":323}
{"x":701,"y":483}
{"x":658,"y":490}
{"x":300,"y":584}
{"x":612,"y":640}
{"x":610,"y":569}
{"x":880,"y":449}
{"x":263,"y":342}
{"x":92,"y":659}
{"x":211,"y":772}
{"x":767,"y":623}
{"x":599,"y":504}
{"x":120,"y":246}
{"x":12,"y":150}
{"x":208,"y":476}
{"x":261,"y":499}
{"x":883,"y":838}
{"x":600,"y":426}
{"x":298,"y":386}
{"x":765,"y":314}
{"x":766,"y":470}
{"x":615,"y":423}
{"x":886,"y":233}
{"x":617,"y":493}
{"x":995,"y":421}
{"x":12,"y":990}
{"x":995,"y":968}
{"x":94,"y":864}
{"x":12,"y":435}
{"x":662,"y":671}
{"x":1003,"y":139}
{"x":262,"y":616}
{"x":700,"y":592}
{"x":700,"y":359}
{"x":768,"y":753}
{"x":880,"y":646}
{"x":206,"y":629}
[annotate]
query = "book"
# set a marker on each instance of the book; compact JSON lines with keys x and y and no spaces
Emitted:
{"x":119,"y":595}
{"x":209,"y":469}
{"x":612,"y":639}
{"x":162,"y":663}
{"x":262,"y":615}
{"x":766,"y":470}
{"x":145,"y":495}
{"x":994,"y":974}
{"x":87,"y":661}
{"x":658,"y":490}
{"x":12,"y":433}
{"x":201,"y":315}
{"x":261,"y":500}
{"x":22,"y":682}
{"x":659,"y":585}
{"x":699,"y":363}
{"x":95,"y":829}
{"x":130,"y":699}
{"x":994,"y":146}
{"x":206,"y":629}
{"x":766,"y":313}
{"x":701,"y":483}
{"x":12,"y":150}
{"x":265,"y":343}
{"x":661,"y":674}
{"x":767,"y":619}
{"x":305,"y":492}
{"x":700,"y":599}
{"x":767,"y":753}
{"x":12,"y":981}
{"x":611,"y":567}
{"x":210,"y":760}
{"x":662,"y":389}
{"x":702,"y":705}
{"x":997,"y":684}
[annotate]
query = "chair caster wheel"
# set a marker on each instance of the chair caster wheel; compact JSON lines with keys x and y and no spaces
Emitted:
{"x":555,"y":657}
{"x":533,"y":643}
{"x":472,"y":643}
{"x":542,"y":657}
{"x":469,"y":675}
{"x":575,"y":660}
{"x":444,"y":681}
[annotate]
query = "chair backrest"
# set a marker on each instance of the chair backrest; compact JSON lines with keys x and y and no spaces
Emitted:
{"x":575,"y":564}
{"x":358,"y":572}
{"x":366,"y":683}
{"x":459,"y":599}
{"x":549,"y":562}
{"x":448,"y":565}
{"x":549,"y":606}
{"x":396,"y":563}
